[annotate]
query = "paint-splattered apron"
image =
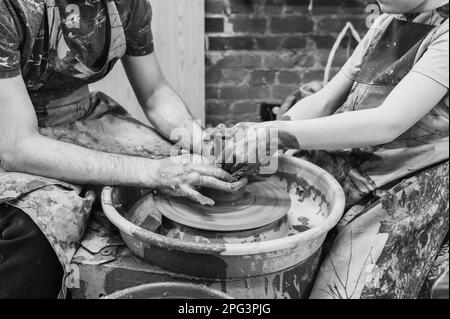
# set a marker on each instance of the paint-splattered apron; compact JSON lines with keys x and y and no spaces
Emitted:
{"x":386,"y":243}
{"x":61,"y":210}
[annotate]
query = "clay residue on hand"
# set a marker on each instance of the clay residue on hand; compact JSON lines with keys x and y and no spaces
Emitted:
{"x":288,"y":141}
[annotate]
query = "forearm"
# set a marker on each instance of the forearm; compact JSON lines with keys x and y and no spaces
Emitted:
{"x":39,"y":155}
{"x":170,"y":116}
{"x":340,"y":131}
{"x":412,"y":99}
{"x":311,"y":107}
{"x":163,"y":107}
{"x":323,"y":103}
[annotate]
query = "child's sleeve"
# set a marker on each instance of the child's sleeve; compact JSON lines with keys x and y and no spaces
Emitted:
{"x":9,"y":45}
{"x":434,"y":62}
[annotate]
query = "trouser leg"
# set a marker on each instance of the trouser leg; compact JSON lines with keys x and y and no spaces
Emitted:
{"x":29,"y":268}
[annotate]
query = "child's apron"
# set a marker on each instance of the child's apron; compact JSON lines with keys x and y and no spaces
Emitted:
{"x":61,"y":210}
{"x":385,"y":246}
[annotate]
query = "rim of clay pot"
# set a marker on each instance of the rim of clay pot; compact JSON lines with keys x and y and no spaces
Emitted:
{"x":171,"y":288}
{"x":270,"y":246}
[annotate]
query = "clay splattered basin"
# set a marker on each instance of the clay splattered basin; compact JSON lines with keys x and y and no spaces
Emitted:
{"x":169,"y":291}
{"x":317,"y":205}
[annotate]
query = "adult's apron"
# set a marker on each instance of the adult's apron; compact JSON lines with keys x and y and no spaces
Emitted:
{"x":386,"y":244}
{"x":61,"y":210}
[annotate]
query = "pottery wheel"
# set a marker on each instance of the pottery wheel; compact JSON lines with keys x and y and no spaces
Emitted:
{"x":259,"y":204}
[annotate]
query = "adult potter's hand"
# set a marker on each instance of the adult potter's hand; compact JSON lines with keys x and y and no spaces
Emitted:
{"x":181,"y":176}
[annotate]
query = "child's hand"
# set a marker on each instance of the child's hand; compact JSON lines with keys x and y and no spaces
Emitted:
{"x":288,"y":103}
{"x":250,"y":147}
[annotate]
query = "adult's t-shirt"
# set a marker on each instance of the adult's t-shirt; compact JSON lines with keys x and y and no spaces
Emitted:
{"x":83,"y":37}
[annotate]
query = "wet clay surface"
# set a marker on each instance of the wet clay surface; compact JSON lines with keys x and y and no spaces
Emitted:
{"x":259,"y":204}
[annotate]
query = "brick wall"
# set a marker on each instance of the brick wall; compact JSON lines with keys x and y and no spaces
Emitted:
{"x":259,"y":50}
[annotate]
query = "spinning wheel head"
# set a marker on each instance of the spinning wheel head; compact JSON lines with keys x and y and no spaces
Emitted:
{"x":261,"y":203}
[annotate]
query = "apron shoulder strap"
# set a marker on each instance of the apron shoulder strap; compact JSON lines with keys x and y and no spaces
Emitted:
{"x":443,"y":12}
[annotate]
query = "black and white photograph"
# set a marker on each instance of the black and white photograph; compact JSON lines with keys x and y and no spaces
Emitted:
{"x":229,"y":155}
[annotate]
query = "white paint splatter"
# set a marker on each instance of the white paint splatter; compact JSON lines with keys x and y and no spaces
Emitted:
{"x":4,"y":62}
{"x":35,"y":6}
